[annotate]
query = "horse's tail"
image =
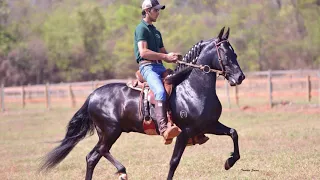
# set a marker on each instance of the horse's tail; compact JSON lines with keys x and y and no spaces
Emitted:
{"x":79,"y":126}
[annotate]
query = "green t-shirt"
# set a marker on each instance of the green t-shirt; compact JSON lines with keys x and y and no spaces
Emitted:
{"x":148,"y":33}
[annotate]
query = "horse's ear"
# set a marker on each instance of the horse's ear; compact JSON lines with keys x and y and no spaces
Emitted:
{"x":221,"y":33}
{"x":226,"y":35}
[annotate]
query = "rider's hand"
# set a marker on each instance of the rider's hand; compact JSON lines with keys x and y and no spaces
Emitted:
{"x":173,"y":57}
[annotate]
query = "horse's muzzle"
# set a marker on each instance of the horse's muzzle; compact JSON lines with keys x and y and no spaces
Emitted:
{"x":233,"y":81}
{"x":241,"y":78}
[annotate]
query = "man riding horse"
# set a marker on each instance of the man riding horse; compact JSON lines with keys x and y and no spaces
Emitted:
{"x":111,"y":110}
{"x":149,"y":52}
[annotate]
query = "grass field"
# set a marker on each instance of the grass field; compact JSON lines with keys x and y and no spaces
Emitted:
{"x":282,"y":143}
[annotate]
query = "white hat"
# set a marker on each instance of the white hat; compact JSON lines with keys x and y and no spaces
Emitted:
{"x":152,"y":4}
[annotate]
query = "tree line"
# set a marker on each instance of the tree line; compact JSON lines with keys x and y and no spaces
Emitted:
{"x":73,"y":40}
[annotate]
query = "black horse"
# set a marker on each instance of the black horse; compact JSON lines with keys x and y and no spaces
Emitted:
{"x":112,"y":108}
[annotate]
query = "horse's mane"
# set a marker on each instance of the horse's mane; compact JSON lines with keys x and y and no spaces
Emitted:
{"x":190,"y":57}
{"x":182,"y":71}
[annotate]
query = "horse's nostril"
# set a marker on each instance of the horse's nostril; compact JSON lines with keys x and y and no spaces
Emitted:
{"x":241,"y":77}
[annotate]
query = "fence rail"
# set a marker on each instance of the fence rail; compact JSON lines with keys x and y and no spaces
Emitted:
{"x":267,"y":87}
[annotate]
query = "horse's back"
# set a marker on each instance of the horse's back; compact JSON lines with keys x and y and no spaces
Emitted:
{"x":113,"y":92}
{"x":116,"y":104}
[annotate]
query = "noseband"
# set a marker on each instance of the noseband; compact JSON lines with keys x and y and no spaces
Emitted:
{"x":206,"y":68}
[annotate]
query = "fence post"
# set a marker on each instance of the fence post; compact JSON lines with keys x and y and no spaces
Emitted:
{"x":301,"y":83}
{"x":319,"y":88}
{"x":29,"y":92}
{"x":96,"y":84}
{"x":2,"y":97}
{"x":47,"y":92}
{"x":270,"y":88}
{"x":291,"y":80}
{"x":71,"y":96}
{"x":23,"y":102}
{"x":227,"y":91}
{"x":308,"y":88}
{"x":93,"y":85}
{"x":236,"y":95}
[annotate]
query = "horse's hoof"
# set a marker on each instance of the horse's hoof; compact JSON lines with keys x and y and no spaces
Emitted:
{"x":231,"y":161}
{"x":123,"y":177}
{"x":226,"y":165}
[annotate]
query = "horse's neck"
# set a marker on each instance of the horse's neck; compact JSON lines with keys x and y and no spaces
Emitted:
{"x":201,"y":83}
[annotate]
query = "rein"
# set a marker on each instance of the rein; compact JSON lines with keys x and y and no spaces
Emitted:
{"x":206,"y":68}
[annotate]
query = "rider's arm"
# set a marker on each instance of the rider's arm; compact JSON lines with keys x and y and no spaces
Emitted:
{"x":148,"y":54}
{"x":142,"y":36}
{"x":163,"y":50}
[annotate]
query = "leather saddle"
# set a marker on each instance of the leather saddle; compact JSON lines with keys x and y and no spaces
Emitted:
{"x":140,"y":84}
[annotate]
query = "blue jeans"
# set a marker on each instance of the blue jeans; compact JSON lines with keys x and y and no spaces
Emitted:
{"x":152,"y":74}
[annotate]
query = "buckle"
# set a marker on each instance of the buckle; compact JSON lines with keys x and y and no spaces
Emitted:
{"x":206,"y":69}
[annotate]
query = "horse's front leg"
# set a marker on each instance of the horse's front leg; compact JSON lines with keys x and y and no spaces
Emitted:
{"x":220,"y":129}
{"x":179,"y":147}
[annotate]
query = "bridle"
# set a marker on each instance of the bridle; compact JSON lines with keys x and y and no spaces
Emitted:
{"x":223,"y":72}
{"x":206,"y":68}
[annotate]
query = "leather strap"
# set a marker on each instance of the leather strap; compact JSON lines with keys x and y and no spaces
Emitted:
{"x":150,"y":62}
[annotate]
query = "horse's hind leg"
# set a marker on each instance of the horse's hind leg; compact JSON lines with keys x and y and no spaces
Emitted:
{"x":92,"y":159}
{"x":121,"y":169}
{"x":107,"y":141}
{"x":220,"y":129}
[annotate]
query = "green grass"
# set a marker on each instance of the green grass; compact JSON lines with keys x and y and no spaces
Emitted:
{"x":274,"y":144}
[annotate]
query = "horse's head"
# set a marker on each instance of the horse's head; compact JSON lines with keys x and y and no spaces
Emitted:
{"x":219,"y":54}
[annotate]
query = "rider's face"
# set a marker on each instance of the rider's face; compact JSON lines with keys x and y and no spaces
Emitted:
{"x":153,"y":14}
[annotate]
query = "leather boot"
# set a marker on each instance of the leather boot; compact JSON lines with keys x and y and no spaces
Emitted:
{"x":170,"y":132}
